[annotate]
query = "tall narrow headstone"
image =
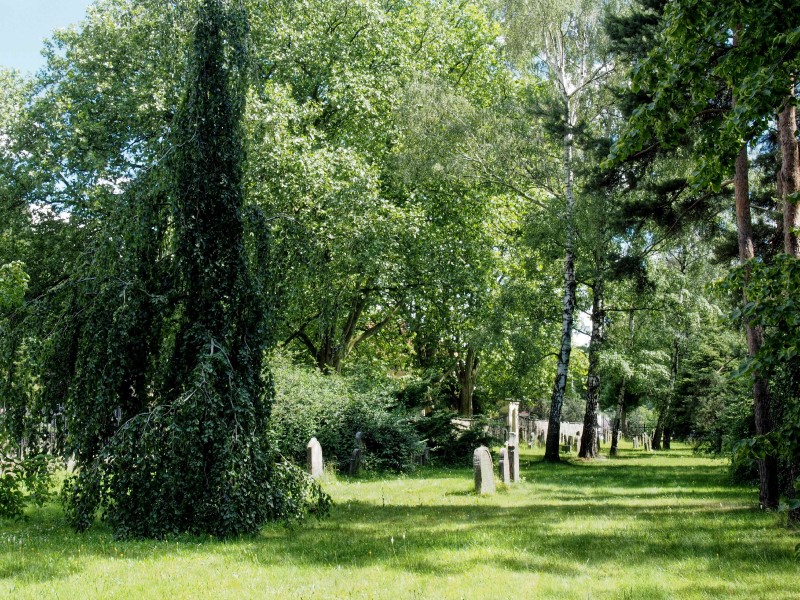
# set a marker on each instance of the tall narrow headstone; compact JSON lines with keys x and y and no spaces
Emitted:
{"x":314,"y":458}
{"x":505,"y":467}
{"x":355,"y":458}
{"x":512,"y":454}
{"x":513,"y":459}
{"x":484,"y":472}
{"x":513,"y":419}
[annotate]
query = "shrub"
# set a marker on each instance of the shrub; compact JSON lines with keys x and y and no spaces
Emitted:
{"x":329,"y":407}
{"x":448,"y":444}
{"x":192,"y":467}
{"x":23,"y":480}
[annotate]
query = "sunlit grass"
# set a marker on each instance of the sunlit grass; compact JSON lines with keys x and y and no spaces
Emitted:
{"x":641,"y":526}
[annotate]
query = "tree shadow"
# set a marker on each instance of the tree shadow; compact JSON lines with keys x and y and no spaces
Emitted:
{"x":562,"y":516}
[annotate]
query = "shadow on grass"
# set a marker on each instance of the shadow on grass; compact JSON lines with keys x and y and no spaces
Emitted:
{"x":647,"y":512}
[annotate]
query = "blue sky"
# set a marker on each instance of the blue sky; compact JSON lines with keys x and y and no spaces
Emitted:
{"x":25,"y":23}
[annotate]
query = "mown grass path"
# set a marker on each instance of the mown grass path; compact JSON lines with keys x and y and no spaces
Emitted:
{"x":640,"y":526}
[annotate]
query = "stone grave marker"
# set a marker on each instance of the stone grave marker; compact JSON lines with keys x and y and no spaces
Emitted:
{"x":355,"y":458}
{"x":314,"y":458}
{"x":505,"y":467}
{"x":513,"y":459}
{"x":484,"y":472}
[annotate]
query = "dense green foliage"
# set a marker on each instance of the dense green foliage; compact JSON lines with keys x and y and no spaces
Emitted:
{"x":227,"y":226}
{"x":333,"y":409}
{"x":170,"y":432}
{"x":24,"y":480}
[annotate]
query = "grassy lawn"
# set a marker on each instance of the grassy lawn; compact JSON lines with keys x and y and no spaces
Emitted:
{"x":640,"y":526}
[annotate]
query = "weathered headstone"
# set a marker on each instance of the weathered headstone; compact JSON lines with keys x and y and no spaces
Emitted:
{"x":636,"y":442}
{"x":513,"y":418}
{"x":513,"y":459}
{"x":505,"y":467}
{"x":314,"y":458}
{"x":355,"y":458}
{"x":484,"y":472}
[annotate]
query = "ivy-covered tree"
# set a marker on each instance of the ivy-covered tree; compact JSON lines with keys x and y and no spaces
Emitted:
{"x":167,"y":398}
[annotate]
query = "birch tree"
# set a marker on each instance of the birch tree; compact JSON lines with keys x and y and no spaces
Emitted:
{"x":563,"y":41}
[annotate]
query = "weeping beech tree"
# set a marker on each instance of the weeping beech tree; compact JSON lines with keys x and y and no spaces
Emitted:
{"x":178,"y":441}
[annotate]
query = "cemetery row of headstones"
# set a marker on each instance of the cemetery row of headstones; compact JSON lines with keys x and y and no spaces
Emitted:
{"x":481,"y":460}
{"x":643,"y":442}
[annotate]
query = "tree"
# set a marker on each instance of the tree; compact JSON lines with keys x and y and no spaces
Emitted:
{"x":569,"y":49}
{"x":726,"y":68}
{"x":158,"y":348}
{"x":350,"y":238}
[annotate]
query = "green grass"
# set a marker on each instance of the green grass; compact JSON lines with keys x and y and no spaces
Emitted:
{"x":641,"y":526}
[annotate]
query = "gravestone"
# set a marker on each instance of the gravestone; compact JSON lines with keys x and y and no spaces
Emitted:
{"x":512,"y":447}
{"x":635,"y":442}
{"x":505,"y":467}
{"x":484,"y":472}
{"x":513,"y":459}
{"x":513,"y":418}
{"x":355,"y":458}
{"x":314,"y":458}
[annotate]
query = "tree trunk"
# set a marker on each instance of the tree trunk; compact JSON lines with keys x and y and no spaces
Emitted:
{"x":619,"y":417}
{"x":588,"y":447}
{"x":615,"y":425}
{"x":768,"y":467}
{"x":788,"y":186}
{"x":664,"y":415}
{"x":658,"y":432}
{"x":789,"y":176}
{"x":467,"y":373}
{"x":568,"y":303}
{"x":667,"y":437}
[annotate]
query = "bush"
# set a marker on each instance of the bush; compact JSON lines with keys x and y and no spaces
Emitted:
{"x":193,"y":466}
{"x":23,"y":481}
{"x":329,"y":407}
{"x":449,"y":445}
